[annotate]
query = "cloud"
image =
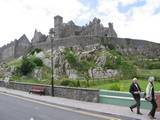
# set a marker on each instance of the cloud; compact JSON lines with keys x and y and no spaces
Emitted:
{"x":127,"y":2}
{"x":139,"y":21}
{"x":23,"y":16}
{"x":144,"y":23}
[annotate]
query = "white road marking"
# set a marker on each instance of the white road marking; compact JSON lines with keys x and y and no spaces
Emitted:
{"x":31,"y":118}
{"x":64,"y":108}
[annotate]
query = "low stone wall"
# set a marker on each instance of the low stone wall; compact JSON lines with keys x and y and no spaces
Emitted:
{"x":77,"y":93}
{"x":82,"y":94}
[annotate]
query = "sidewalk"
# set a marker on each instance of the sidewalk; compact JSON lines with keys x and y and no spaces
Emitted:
{"x":95,"y":107}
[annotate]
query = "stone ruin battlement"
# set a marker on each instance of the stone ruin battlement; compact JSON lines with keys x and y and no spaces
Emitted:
{"x":69,"y":34}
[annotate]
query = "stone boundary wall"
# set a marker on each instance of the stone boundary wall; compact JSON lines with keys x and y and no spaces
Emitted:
{"x":83,"y":94}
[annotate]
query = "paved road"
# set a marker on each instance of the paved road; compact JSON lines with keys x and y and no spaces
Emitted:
{"x":14,"y":108}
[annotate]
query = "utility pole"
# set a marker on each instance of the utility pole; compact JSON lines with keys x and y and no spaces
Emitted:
{"x":51,"y":35}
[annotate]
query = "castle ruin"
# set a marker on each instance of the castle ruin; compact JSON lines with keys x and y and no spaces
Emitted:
{"x":70,"y":30}
{"x":70,"y":34}
{"x":15,"y":49}
{"x":94,"y":27}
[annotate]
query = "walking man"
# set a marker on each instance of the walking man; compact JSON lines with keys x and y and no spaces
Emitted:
{"x":135,"y":90}
{"x":151,"y":97}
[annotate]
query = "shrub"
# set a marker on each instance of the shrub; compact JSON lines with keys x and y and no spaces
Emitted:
{"x":37,"y":61}
{"x":127,"y":70}
{"x":153,"y":65}
{"x":71,"y":57}
{"x":68,"y":83}
{"x":118,"y":60}
{"x":80,"y":65}
{"x":111,"y":63}
{"x":36,"y":50}
{"x":111,"y":47}
{"x":65,"y":82}
{"x":71,"y":83}
{"x":83,"y":66}
{"x":115,"y":87}
{"x":114,"y":60}
{"x":27,"y":66}
{"x":148,"y":64}
{"x":78,"y":83}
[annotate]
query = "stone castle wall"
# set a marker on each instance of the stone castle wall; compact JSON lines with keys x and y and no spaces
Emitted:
{"x":134,"y":46}
{"x":14,"y":49}
{"x":8,"y":51}
{"x":123,"y":45}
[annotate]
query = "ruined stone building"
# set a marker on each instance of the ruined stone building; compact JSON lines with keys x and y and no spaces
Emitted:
{"x":66,"y":30}
{"x":69,"y":34}
{"x":14,"y":49}
{"x":93,"y":28}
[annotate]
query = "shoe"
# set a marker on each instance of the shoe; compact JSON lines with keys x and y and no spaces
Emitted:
{"x":154,"y":118}
{"x":139,"y":113}
{"x":131,"y":109}
{"x":151,"y":117}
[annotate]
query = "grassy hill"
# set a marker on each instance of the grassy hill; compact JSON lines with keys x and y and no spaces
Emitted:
{"x":128,"y":67}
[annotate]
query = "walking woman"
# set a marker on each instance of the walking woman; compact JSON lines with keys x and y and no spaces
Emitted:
{"x":150,"y":96}
{"x":135,"y":90}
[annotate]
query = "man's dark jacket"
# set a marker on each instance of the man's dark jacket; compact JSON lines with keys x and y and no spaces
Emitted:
{"x":133,"y":88}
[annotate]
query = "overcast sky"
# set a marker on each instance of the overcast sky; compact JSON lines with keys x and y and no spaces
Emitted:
{"x":131,"y":18}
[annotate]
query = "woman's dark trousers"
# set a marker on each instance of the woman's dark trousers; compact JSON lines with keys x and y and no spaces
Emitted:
{"x":154,"y":107}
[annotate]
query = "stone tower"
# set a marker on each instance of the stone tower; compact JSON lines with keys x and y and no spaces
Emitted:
{"x":111,"y":31}
{"x":58,"y":26}
{"x":110,"y":25}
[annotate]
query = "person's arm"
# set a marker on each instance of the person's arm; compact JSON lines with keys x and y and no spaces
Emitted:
{"x":148,"y":91}
{"x":131,"y":89}
{"x":139,"y":88}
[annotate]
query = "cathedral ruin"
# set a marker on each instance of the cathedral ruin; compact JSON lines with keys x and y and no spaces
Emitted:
{"x":69,"y":34}
{"x":70,"y":29}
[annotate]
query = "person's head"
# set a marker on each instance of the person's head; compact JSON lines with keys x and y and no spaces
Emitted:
{"x":134,"y":80}
{"x":151,"y":79}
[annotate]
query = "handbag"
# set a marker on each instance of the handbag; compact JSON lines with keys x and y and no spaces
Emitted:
{"x":149,"y":99}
